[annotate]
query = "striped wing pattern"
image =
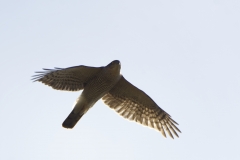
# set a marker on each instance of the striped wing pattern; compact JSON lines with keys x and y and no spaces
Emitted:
{"x":69,"y":79}
{"x":133,"y":104}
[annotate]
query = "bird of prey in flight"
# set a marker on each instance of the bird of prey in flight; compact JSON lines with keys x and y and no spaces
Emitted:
{"x":108,"y":84}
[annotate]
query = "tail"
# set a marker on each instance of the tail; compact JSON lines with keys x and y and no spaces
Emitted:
{"x":72,"y":119}
{"x":80,"y":108}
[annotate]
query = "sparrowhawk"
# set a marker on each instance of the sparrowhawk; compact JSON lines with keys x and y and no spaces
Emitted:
{"x":107,"y":83}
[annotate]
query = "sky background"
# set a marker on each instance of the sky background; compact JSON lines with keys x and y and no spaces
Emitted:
{"x":184,"y":54}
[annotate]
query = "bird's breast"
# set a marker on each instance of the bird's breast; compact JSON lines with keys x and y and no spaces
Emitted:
{"x":97,"y":87}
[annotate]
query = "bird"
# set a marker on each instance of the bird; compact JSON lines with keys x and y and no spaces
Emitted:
{"x":108,"y":84}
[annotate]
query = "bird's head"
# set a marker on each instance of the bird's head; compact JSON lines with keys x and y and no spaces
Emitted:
{"x":114,"y":66}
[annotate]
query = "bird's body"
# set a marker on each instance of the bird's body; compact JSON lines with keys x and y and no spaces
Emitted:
{"x":94,"y":89}
{"x":107,"y":83}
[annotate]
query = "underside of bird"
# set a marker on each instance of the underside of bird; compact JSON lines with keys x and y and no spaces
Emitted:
{"x":116,"y":92}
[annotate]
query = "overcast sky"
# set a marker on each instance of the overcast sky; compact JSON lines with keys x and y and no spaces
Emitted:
{"x":184,"y":54}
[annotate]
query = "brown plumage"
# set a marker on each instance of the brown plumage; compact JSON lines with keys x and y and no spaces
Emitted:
{"x":107,"y":83}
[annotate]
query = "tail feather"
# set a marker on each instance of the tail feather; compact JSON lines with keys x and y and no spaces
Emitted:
{"x":72,"y":119}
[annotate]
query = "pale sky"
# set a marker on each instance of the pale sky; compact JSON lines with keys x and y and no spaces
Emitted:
{"x":184,"y":54}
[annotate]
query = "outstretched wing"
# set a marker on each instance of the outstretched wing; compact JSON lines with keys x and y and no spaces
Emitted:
{"x":69,"y":79}
{"x":133,"y":104}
